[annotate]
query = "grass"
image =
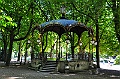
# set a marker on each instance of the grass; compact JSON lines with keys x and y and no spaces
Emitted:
{"x":51,"y":59}
{"x":54,"y":59}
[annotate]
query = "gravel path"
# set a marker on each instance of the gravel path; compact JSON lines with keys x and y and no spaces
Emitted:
{"x":21,"y":72}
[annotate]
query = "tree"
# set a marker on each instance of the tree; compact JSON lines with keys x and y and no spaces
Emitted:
{"x":95,"y":13}
{"x":16,"y":13}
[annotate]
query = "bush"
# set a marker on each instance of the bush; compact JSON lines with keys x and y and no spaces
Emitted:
{"x":117,"y":60}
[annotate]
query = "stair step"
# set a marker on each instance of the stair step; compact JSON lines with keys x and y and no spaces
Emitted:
{"x":50,"y":70}
{"x":50,"y":66}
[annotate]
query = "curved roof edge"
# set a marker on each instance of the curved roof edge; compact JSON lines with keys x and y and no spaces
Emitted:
{"x":61,"y":26}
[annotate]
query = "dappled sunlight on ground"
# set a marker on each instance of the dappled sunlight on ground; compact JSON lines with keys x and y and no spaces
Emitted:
{"x":113,"y":76}
{"x":13,"y":78}
{"x":22,"y":72}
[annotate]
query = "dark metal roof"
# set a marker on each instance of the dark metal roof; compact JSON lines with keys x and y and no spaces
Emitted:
{"x":63,"y":22}
{"x":63,"y":25}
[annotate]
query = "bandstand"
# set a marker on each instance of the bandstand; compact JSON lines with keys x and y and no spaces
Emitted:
{"x":62,"y":26}
{"x":65,"y":26}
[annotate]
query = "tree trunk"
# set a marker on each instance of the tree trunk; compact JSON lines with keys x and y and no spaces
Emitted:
{"x":5,"y":47}
{"x":5,"y":51}
{"x":26,"y":53}
{"x":19,"y":52}
{"x":97,"y":46}
{"x":10,"y":50}
{"x":32,"y":52}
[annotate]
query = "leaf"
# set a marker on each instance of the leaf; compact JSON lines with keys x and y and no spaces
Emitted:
{"x":8,"y":18}
{"x":0,"y":1}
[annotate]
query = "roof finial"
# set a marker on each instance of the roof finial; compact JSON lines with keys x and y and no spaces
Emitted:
{"x":62,"y":10}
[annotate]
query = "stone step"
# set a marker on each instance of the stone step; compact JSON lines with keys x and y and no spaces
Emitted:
{"x":46,"y":68}
{"x":50,"y":66}
{"x":49,"y":70}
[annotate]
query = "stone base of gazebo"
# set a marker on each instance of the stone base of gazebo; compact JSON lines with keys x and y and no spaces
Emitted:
{"x":73,"y":66}
{"x":78,"y":65}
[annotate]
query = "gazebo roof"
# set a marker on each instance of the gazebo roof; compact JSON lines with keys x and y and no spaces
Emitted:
{"x":61,"y":26}
{"x":63,"y":22}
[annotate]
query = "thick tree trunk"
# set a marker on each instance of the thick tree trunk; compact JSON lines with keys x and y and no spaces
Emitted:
{"x":97,"y":46}
{"x":10,"y":50}
{"x":5,"y":47}
{"x":5,"y":51}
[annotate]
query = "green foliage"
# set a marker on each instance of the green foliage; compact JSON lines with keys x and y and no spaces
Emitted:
{"x":85,"y":11}
{"x":7,"y":21}
{"x":117,"y":60}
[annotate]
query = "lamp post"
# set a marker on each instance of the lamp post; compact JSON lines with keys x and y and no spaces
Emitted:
{"x":92,"y":47}
{"x":39,"y":42}
{"x":93,"y":43}
{"x":80,"y":56}
{"x":61,"y":52}
{"x":62,"y":10}
{"x":80,"y":46}
{"x":29,"y":41}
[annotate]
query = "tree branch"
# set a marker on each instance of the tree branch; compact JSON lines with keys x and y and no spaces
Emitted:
{"x":43,"y":12}
{"x":31,"y":22}
{"x":82,"y":12}
{"x":18,"y":26}
{"x":51,"y":10}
